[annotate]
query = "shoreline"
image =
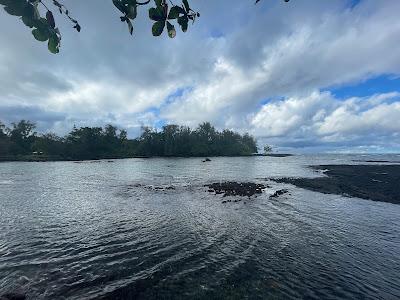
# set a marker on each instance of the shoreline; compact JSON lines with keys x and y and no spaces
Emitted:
{"x":371,"y":182}
{"x":274,"y":154}
{"x":44,"y":158}
{"x":30,"y":158}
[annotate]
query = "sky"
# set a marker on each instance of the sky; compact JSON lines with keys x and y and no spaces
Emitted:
{"x":303,"y":76}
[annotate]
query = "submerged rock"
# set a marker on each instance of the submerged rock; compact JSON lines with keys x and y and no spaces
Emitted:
{"x":236,"y":189}
{"x":278,"y":193}
{"x":161,"y":188}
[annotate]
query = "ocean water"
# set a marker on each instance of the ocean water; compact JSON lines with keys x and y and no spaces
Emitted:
{"x":105,"y":230}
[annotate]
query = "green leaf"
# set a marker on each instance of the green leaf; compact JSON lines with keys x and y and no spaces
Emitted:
{"x":130,"y":26}
{"x":158,"y":28}
{"x":50,"y":19}
{"x":158,"y":3}
{"x":175,"y":12}
{"x":118,"y":4}
{"x":28,"y":21}
{"x":54,"y":44}
{"x":130,"y":2}
{"x":40,"y":35}
{"x":186,"y":4}
{"x":77,"y":27}
{"x":156,"y":14}
{"x":171,"y":30}
{"x":183,"y":22}
{"x":132,"y":12}
{"x":29,"y":11}
{"x":16,"y":8}
{"x":36,"y":13}
{"x":30,"y":15}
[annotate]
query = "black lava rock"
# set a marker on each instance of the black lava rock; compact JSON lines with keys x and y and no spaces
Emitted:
{"x":243,"y":189}
{"x":278,"y":193}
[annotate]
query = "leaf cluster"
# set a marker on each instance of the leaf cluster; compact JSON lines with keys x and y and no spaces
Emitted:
{"x":164,"y":14}
{"x":43,"y":27}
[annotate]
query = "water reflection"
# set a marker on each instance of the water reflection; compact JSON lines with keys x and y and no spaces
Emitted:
{"x":75,"y":231}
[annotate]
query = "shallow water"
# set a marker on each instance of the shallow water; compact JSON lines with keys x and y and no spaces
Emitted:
{"x":101,"y":231}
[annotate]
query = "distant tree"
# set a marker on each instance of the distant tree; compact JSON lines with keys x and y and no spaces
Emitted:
{"x":22,"y":136}
{"x":2,"y":130}
{"x":149,"y":142}
{"x":111,"y":142}
{"x":44,"y":26}
{"x":49,"y":144}
{"x":123,"y":136}
{"x":250,"y":143}
{"x":110,"y":138}
{"x":204,"y":139}
{"x":267,"y":149}
{"x":114,"y":140}
{"x":4,"y":141}
{"x":170,"y":136}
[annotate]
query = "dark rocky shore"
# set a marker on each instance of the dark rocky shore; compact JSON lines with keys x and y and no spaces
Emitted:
{"x":373,"y":182}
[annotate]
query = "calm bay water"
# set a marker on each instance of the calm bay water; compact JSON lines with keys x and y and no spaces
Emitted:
{"x":103,"y":231}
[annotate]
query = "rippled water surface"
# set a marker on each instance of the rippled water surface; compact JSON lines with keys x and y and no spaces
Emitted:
{"x":104,"y":231}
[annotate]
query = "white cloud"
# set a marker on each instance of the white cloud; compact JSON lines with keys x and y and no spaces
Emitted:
{"x":327,"y":48}
{"x":272,"y":51}
{"x":320,"y":117}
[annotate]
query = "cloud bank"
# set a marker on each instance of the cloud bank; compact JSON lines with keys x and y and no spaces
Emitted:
{"x":269,"y":70}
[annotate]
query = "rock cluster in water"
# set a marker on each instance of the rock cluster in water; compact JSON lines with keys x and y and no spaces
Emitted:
{"x":236,"y":189}
{"x":163,"y":188}
{"x":150,"y":187}
{"x":278,"y":193}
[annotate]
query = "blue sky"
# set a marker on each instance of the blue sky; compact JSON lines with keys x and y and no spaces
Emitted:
{"x":303,"y":76}
{"x":377,"y":85}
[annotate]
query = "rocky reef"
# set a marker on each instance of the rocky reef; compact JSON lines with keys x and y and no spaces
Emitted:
{"x":230,"y":188}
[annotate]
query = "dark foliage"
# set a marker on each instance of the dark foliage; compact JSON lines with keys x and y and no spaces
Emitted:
{"x":111,"y":142}
{"x":205,"y":140}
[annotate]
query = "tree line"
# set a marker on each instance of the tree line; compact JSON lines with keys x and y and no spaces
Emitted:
{"x":20,"y":140}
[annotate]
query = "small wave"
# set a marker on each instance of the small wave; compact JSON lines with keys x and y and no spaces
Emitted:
{"x":6,"y":182}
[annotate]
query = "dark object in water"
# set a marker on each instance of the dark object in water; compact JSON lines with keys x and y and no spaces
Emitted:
{"x":373,"y":182}
{"x":149,"y":187}
{"x":236,"y":189}
{"x":278,"y":193}
{"x":207,"y":160}
{"x":378,"y":161}
{"x":162,"y":188}
{"x":13,"y":296}
{"x":274,"y":154}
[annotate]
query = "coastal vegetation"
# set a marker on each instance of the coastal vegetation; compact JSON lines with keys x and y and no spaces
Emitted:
{"x":20,"y":141}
